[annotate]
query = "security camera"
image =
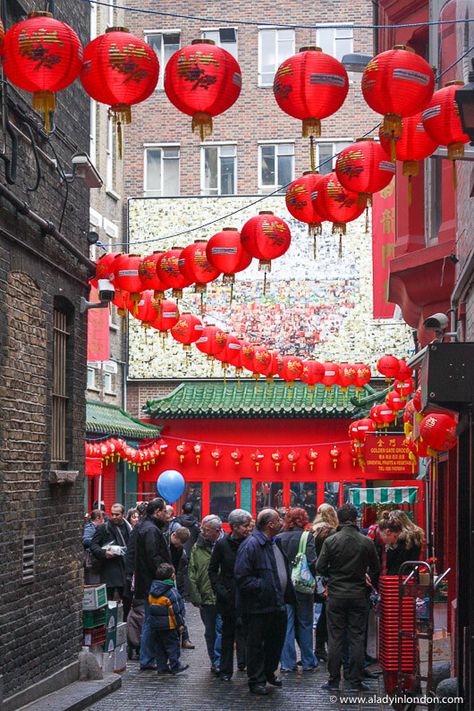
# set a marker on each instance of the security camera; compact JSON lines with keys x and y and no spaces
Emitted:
{"x":92,"y":237}
{"x":437,"y":323}
{"x":106,"y":290}
{"x":82,"y":167}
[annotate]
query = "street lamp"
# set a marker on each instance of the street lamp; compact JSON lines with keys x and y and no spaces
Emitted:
{"x":465,"y":101}
{"x":356,"y":62}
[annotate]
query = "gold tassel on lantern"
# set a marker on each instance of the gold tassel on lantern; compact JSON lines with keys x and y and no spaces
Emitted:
{"x":120,"y":114}
{"x":455,"y":151}
{"x":45,"y":103}
{"x":311,"y":127}
{"x":202,"y":124}
{"x":411,"y":169}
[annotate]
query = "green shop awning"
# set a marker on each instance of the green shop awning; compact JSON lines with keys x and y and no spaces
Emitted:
{"x":105,"y":419}
{"x":384,"y":495}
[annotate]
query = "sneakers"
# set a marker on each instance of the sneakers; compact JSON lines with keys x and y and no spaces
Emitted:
{"x":215,"y":670}
{"x":181,"y":668}
{"x":275,"y":681}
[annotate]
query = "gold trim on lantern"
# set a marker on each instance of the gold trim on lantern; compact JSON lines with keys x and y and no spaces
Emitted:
{"x":39,"y":13}
{"x":392,"y":124}
{"x":311,"y":127}
{"x":202,"y":124}
{"x":177,"y":293}
{"x":339,"y":228}
{"x":265,"y":265}
{"x":117,"y":29}
{"x":310,"y":48}
{"x":228,"y":279}
{"x":203,"y":41}
{"x":411,"y":167}
{"x":45,"y":103}
{"x":455,"y":151}
{"x":120,"y":113}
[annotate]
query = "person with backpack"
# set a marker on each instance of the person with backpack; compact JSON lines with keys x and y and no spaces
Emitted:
{"x":298,"y":546}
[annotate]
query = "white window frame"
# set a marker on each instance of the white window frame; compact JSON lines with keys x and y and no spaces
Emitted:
{"x":109,"y":152}
{"x":91,"y":378}
{"x":93,"y":21}
{"x":275,"y":29}
{"x":146,"y":34}
{"x":334,"y":27}
{"x":147,"y":146}
{"x":333,"y":142}
{"x":203,"y":164}
{"x":223,"y":45}
{"x":93,"y":132}
{"x":268,"y":188}
{"x":108,"y":383}
{"x":111,"y":13}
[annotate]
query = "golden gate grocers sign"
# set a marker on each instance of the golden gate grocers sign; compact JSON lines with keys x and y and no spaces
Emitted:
{"x":387,"y":454}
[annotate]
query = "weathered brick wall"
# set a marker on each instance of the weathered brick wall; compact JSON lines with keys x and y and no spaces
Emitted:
{"x":40,"y":622}
{"x":139,"y":391}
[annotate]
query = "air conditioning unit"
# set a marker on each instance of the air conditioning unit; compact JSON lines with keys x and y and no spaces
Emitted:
{"x":110,"y":366}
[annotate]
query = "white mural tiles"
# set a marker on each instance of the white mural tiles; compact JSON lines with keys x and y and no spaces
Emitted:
{"x":313,"y":308}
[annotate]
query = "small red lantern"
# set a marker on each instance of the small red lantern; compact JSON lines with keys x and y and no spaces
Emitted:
{"x":389,"y":366}
{"x":397,"y":83}
{"x":236,"y":456}
{"x":310,"y":86}
{"x":347,"y":375}
{"x":277,"y":458}
{"x":127,"y":277}
{"x":438,"y":431}
{"x":312,"y":373}
{"x":264,"y":363}
{"x":150,"y":277}
{"x":206,"y":343}
{"x":227,"y":254}
{"x":231,"y":355}
{"x":143,"y":310}
{"x":168,"y":270}
{"x":386,"y":415}
{"x":247,"y":356}
{"x":293,"y":457}
{"x":266,"y":237}
{"x":335,"y":454}
{"x":166,"y":316}
{"x":299,"y":200}
{"x":119,"y":70}
{"x":404,"y":371}
{"x":331,"y":375}
{"x":42,"y":55}
{"x":375,"y":414}
{"x":365,"y":427}
{"x":363,"y":375}
{"x":353,"y":430}
{"x":195,"y":266}
{"x":202,"y":80}
{"x":290,"y":369}
{"x":216,"y":454}
{"x":442,"y":121}
{"x":187,"y":330}
{"x":183,"y":450}
{"x":364,"y":168}
{"x":338,"y":205}
{"x":312,"y":456}
{"x":257,"y":458}
{"x":394,"y":401}
{"x":104,"y":268}
{"x":404,"y":387}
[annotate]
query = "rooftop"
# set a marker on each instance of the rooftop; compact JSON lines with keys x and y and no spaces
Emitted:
{"x":102,"y":418}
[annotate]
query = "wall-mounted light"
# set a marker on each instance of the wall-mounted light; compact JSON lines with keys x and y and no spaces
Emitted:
{"x":83,"y":168}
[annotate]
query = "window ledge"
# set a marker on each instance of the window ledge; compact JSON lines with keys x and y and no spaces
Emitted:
{"x":111,"y":193}
{"x":109,"y":392}
{"x":93,"y":389}
{"x":113,"y":327}
{"x":62,"y":477}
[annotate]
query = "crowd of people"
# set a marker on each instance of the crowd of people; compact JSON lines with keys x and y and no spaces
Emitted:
{"x":257,"y":586}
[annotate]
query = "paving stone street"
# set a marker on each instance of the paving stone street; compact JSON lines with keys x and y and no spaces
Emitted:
{"x":198,"y":690}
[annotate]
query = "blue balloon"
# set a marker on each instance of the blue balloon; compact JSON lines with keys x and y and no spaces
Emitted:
{"x":170,"y":485}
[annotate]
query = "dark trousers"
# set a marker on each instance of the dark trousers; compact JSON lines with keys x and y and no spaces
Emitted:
{"x":167,"y":649}
{"x":209,"y":619}
{"x":265,"y":638}
{"x":321,"y":630}
{"x":232,"y":631}
{"x":346,"y":621}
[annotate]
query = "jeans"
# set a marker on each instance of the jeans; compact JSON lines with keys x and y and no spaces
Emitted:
{"x":167,"y":650}
{"x":299,"y":628}
{"x":347,"y":620}
{"x":148,"y":650}
{"x":212,"y":622}
{"x":321,"y":630}
{"x":232,"y":631}
{"x":265,"y":637}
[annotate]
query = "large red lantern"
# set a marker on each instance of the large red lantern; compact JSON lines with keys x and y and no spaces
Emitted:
{"x":166,"y":316}
{"x":394,"y":401}
{"x":331,"y":375}
{"x":299,"y":200}
{"x":347,"y":375}
{"x":247,"y":356}
{"x":265,"y":362}
{"x":42,"y":55}
{"x":442,"y":121}
{"x":312,"y":373}
{"x":230,"y":354}
{"x":365,"y":427}
{"x":206,"y":343}
{"x":397,"y":83}
{"x":389,"y":366}
{"x":438,"y":431}
{"x":290,"y":369}
{"x":150,"y":277}
{"x":196,"y":267}
{"x":104,"y":268}
{"x":310,"y":86}
{"x":364,"y":168}
{"x":266,"y":237}
{"x":227,"y":254}
{"x":363,"y":375}
{"x":339,"y":205}
{"x":127,"y":275}
{"x":404,"y":387}
{"x":375,"y":414}
{"x":187,"y":330}
{"x":386,"y":415}
{"x":168,"y":269}
{"x":404,"y":371}
{"x":119,"y":70}
{"x":202,"y":80}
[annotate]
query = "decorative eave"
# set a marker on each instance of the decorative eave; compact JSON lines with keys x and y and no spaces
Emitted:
{"x":105,"y":419}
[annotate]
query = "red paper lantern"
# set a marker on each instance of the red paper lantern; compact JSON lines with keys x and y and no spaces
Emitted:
{"x":236,"y":456}
{"x":293,"y":457}
{"x":365,"y":427}
{"x":310,"y":86}
{"x":363,"y":375}
{"x":216,"y":454}
{"x":404,"y":371}
{"x":353,"y":430}
{"x":104,"y":268}
{"x":338,"y":205}
{"x":187,"y":330}
{"x":409,"y":411}
{"x":331,"y":375}
{"x":404,"y":387}
{"x":364,"y":168}
{"x":257,"y":458}
{"x":143,"y":310}
{"x":335,"y":454}
{"x":277,"y":458}
{"x":206,"y":343}
{"x":168,"y":270}
{"x":312,"y":456}
{"x":417,"y":404}
{"x":226,"y":253}
{"x":166,"y":316}
{"x":312,"y":373}
{"x":247,"y":356}
{"x":388,"y":365}
{"x":42,"y":55}
{"x":183,"y":450}
{"x":386,"y":415}
{"x":119,"y":70}
{"x":397,"y":83}
{"x":120,"y":301}
{"x":442,"y":121}
{"x":375,"y":414}
{"x":413,"y":145}
{"x":266,"y":237}
{"x":347,"y":375}
{"x":231,"y":355}
{"x":150,"y":277}
{"x":394,"y":401}
{"x":264,"y":363}
{"x":127,"y":277}
{"x":196,"y":267}
{"x":290,"y":369}
{"x":299,"y":200}
{"x":203,"y":81}
{"x":438,"y":431}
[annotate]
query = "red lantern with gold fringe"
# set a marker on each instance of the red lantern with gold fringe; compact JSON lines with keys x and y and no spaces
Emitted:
{"x":42,"y":55}
{"x":257,"y":457}
{"x":166,"y":316}
{"x":335,"y":454}
{"x":375,"y":414}
{"x":247,"y":356}
{"x":126,"y":275}
{"x":347,"y":375}
{"x":187,"y":330}
{"x":168,"y":270}
{"x":438,"y":431}
{"x":202,"y":80}
{"x":395,"y":401}
{"x":363,"y":375}
{"x":397,"y":83}
{"x":104,"y":268}
{"x":299,"y":200}
{"x":227,"y":254}
{"x":389,"y":366}
{"x":338,"y":204}
{"x":365,"y":426}
{"x":183,"y":450}
{"x":236,"y":456}
{"x":216,"y":454}
{"x":404,"y":371}
{"x":312,"y":373}
{"x":195,"y":266}
{"x":442,"y":121}
{"x":310,"y":86}
{"x":277,"y":458}
{"x":404,"y":387}
{"x":331,"y":375}
{"x":150,"y":277}
{"x":266,"y":237}
{"x":312,"y":456}
{"x":364,"y":167}
{"x":119,"y":70}
{"x":290,"y":369}
{"x":206,"y":343}
{"x":293,"y":457}
{"x":143,"y":310}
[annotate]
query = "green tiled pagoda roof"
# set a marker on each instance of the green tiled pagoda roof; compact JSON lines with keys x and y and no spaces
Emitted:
{"x":102,"y":418}
{"x":216,"y":400}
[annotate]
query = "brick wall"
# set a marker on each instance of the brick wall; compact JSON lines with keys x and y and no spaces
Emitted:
{"x":139,"y":391}
{"x":40,"y":622}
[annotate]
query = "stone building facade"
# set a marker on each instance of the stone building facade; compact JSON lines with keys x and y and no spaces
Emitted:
{"x":44,"y":268}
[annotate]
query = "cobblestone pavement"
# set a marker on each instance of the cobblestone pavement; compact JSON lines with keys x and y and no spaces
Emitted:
{"x":198,"y":690}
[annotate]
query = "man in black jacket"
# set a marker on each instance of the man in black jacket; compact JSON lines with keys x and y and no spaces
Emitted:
{"x":189,"y":521}
{"x":345,"y":559}
{"x":221,"y":575}
{"x":109,"y":546}
{"x":149,"y":549}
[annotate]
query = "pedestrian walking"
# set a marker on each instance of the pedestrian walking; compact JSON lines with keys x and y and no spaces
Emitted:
{"x":177,"y":540}
{"x":299,"y":616}
{"x":133,"y":517}
{"x":344,"y":560}
{"x":222,"y":577}
{"x":109,"y":546}
{"x":264,"y":588}
{"x":325,"y":524}
{"x":200,"y":588}
{"x":92,"y":565}
{"x":189,"y":521}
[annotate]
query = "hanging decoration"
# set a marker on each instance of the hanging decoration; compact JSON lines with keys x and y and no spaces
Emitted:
{"x":236,"y":456}
{"x":312,"y":374}
{"x":183,"y":450}
{"x":365,"y":168}
{"x":206,"y":343}
{"x":312,"y":456}
{"x":168,"y":270}
{"x":227,"y":254}
{"x":331,"y":375}
{"x":376,"y":416}
{"x":397,"y":83}
{"x":195,"y":266}
{"x":42,"y":55}
{"x":388,"y":366}
{"x":339,"y":205}
{"x":395,"y":402}
{"x":187,"y":330}
{"x":404,"y":371}
{"x":257,"y":457}
{"x":335,"y":454}
{"x":438,"y":432}
{"x":144,"y":309}
{"x":202,"y":81}
{"x":120,"y":70}
{"x":116,"y":449}
{"x":293,"y":457}
{"x":127,"y":277}
{"x":165,"y":317}
{"x":290,"y":369}
{"x":197,"y":449}
{"x":104,"y":269}
{"x":277,"y":458}
{"x":347,"y":376}
{"x":365,"y":427}
{"x":216,"y":454}
{"x":310,"y":86}
{"x":150,"y":278}
{"x":404,"y":387}
{"x":265,"y":237}
{"x":300,"y":202}
{"x":363,"y":376}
